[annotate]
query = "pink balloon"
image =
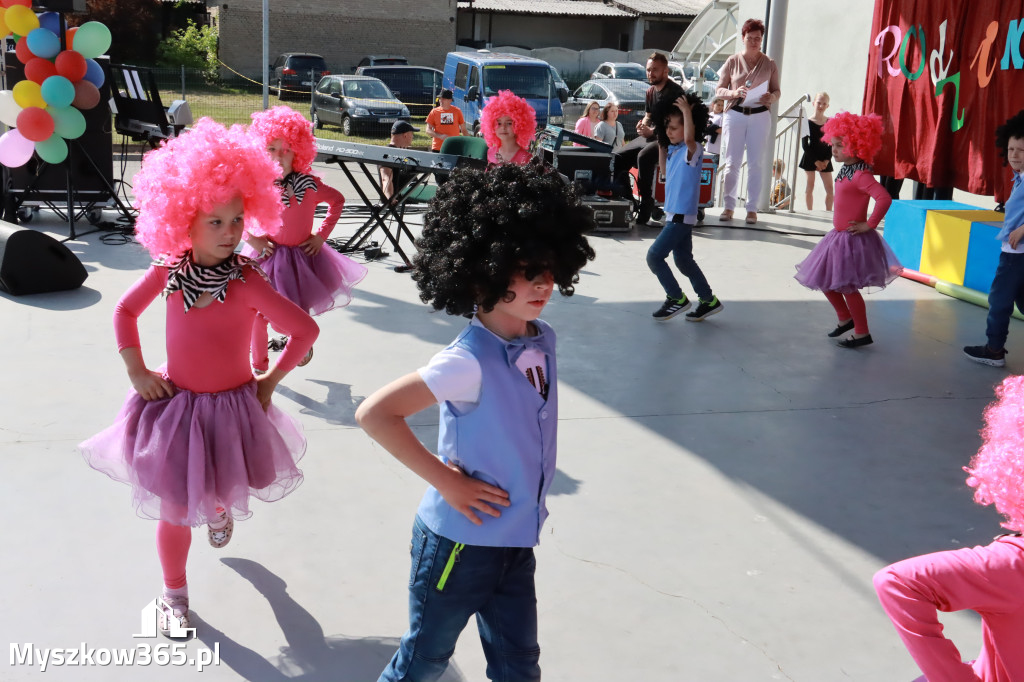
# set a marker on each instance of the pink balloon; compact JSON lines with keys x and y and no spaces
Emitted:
{"x":87,"y":95}
{"x":15,"y":149}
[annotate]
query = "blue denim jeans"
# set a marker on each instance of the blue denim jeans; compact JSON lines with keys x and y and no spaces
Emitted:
{"x":1007,"y":289}
{"x":447,"y":587}
{"x":677,"y":238}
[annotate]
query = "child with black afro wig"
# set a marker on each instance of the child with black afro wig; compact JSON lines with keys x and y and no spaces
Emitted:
{"x":1008,"y":284}
{"x":495,"y":243}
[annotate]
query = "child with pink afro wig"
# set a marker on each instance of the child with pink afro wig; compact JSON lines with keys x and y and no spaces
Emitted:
{"x":198,"y":437}
{"x":988,"y":580}
{"x":312,"y":277}
{"x":508,"y":123}
{"x":852,"y":256}
{"x":169,"y":193}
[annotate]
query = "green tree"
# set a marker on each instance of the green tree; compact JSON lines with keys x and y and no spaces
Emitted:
{"x":194,"y":47}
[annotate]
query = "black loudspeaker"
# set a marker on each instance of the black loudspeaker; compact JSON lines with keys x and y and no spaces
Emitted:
{"x":92,"y":172}
{"x":34,"y":263}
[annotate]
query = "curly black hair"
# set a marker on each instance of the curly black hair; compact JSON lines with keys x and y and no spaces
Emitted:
{"x":1014,"y":127}
{"x":665,"y":109}
{"x":483,"y":227}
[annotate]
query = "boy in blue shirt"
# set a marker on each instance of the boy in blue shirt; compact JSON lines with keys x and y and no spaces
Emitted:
{"x":496,"y":244}
{"x":685,"y":123}
{"x":1008,"y":284}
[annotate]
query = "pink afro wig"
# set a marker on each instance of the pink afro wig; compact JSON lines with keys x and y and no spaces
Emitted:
{"x":205,"y":167}
{"x":505,"y":103}
{"x":997,"y":471}
{"x":861,"y":135}
{"x":291,"y":126}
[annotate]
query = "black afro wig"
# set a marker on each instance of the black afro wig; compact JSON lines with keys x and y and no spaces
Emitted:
{"x":485,"y":226}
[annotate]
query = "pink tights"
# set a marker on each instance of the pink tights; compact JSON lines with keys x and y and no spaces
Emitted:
{"x":850,"y":306}
{"x":172,"y":543}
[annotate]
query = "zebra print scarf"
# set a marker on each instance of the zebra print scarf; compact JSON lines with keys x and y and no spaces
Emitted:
{"x":847,"y":171}
{"x":192,"y":280}
{"x":296,"y":183}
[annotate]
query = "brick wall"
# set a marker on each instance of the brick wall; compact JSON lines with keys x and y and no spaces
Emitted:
{"x":343,"y":31}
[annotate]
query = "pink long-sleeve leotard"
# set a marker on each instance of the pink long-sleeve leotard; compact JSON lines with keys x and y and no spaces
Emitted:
{"x":297,"y":218}
{"x":208,"y":348}
{"x":988,"y":580}
{"x":851,"y":201}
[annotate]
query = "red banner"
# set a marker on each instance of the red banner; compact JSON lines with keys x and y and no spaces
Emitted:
{"x":943,"y":75}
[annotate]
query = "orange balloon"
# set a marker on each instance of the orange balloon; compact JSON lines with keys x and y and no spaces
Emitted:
{"x":69,"y":37}
{"x":12,"y":3}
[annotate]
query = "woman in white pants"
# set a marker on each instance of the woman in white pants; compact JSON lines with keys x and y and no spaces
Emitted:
{"x":746,"y":127}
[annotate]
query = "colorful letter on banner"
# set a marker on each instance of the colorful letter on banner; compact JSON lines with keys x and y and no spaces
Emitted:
{"x":954,"y":76}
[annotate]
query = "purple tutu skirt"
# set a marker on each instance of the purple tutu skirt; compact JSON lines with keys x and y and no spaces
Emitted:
{"x":187,"y":455}
{"x":847,"y":262}
{"x":314,"y":283}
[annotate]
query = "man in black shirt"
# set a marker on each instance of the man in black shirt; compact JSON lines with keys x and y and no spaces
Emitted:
{"x":647,"y":151}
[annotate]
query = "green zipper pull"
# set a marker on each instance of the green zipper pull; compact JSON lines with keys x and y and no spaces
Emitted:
{"x":448,"y":566}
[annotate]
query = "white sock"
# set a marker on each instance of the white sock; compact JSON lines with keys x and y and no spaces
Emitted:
{"x":176,"y":592}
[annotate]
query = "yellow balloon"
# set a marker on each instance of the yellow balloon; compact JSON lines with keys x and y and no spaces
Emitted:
{"x":4,"y":29}
{"x":21,"y":19}
{"x":28,"y":93}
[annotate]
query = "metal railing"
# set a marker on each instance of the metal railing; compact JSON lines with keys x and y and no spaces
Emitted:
{"x":788,"y":133}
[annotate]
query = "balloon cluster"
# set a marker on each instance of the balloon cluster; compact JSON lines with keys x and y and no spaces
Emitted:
{"x":46,"y":108}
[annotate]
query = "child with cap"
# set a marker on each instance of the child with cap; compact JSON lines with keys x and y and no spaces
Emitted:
{"x":444,"y":121}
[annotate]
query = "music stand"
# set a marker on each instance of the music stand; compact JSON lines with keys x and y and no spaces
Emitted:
{"x":138,"y":111}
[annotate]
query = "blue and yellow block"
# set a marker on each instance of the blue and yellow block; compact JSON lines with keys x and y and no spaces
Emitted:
{"x":951,"y":241}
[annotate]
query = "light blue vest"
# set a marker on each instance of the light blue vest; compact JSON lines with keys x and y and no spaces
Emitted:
{"x":508,"y":440}
{"x":682,"y":181}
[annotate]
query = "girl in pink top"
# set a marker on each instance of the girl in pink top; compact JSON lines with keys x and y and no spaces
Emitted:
{"x":988,"y":580}
{"x":312,"y":277}
{"x":197,"y":437}
{"x":852,"y":256}
{"x":508,"y":123}
{"x":589,"y":120}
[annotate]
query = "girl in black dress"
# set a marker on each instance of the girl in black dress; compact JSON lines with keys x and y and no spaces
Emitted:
{"x":817,"y":156}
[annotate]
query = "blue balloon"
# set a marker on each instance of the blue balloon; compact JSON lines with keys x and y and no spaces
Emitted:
{"x":94,"y":72}
{"x":57,"y":91}
{"x":50,"y":20}
{"x":43,"y":43}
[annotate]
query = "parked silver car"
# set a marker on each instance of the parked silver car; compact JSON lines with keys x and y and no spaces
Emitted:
{"x":630,"y":70}
{"x":630,"y":95}
{"x":356,"y":103}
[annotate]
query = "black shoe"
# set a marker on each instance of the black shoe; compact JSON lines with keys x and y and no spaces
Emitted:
{"x":644,"y":213}
{"x":856,"y":342}
{"x":840,"y":330}
{"x":705,"y":309}
{"x":657,"y":213}
{"x":277,"y":345}
{"x":986,"y":356}
{"x":670,"y":308}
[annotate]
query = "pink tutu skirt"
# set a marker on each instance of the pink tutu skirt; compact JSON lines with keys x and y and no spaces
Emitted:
{"x":314,"y":283}
{"x":187,"y":455}
{"x":847,"y":262}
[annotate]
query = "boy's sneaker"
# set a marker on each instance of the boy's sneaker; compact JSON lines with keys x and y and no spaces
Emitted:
{"x":670,"y":308}
{"x":986,"y":356}
{"x":704,"y":309}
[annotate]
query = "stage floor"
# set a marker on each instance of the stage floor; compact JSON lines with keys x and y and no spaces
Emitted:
{"x":725,"y":490}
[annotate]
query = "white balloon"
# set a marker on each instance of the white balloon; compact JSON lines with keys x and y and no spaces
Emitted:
{"x":9,"y":109}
